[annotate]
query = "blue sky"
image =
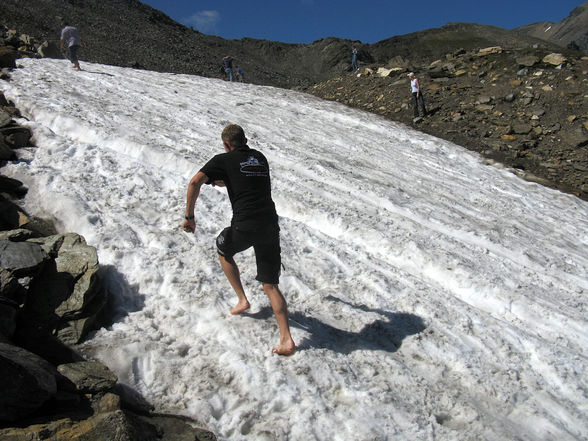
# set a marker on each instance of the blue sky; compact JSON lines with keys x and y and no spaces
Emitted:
{"x":304,"y":21}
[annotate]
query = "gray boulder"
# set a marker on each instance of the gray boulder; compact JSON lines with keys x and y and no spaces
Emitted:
{"x":8,"y":285}
{"x":109,"y":426}
{"x":10,"y":300}
{"x":68,"y":295}
{"x":16,"y":137}
{"x":527,"y":61}
{"x":5,"y":118}
{"x":554,"y":59}
{"x":575,"y":138}
{"x":116,"y":425}
{"x":89,"y":377}
{"x":521,"y":128}
{"x":26,"y":380}
{"x":22,"y":258}
{"x":17,"y":235}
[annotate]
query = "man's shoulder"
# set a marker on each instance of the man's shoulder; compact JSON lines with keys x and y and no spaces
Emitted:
{"x":218,"y":157}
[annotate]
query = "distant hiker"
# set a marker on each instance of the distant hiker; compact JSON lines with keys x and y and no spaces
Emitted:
{"x":417,"y":94}
{"x":240,"y":75}
{"x":228,"y":63}
{"x":354,"y":58}
{"x":245,"y":173}
{"x":72,"y":36}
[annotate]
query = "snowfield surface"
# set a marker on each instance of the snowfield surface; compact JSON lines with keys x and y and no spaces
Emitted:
{"x":432,"y":297}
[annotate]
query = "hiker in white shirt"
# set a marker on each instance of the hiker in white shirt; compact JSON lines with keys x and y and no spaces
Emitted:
{"x":415,"y":87}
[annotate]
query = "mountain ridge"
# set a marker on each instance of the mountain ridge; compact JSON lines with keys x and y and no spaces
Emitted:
{"x":130,"y":33}
{"x":571,"y":32}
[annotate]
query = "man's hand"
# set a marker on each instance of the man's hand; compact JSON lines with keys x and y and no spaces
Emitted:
{"x":189,"y":225}
{"x":218,"y":183}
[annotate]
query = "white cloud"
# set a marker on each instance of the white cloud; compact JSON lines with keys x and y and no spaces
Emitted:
{"x":204,"y":21}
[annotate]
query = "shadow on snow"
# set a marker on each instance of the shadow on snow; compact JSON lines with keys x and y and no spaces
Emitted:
{"x":380,"y":335}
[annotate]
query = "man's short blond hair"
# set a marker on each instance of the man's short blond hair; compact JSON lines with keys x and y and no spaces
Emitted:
{"x":234,"y":135}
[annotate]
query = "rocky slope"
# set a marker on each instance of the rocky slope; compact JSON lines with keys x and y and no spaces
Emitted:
{"x":131,"y":34}
{"x":525,"y":108}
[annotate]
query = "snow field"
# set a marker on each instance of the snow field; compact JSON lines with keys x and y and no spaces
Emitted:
{"x":432,"y":296}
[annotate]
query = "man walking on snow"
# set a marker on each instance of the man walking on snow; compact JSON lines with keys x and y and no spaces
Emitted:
{"x":245,"y":173}
{"x":71,"y":35}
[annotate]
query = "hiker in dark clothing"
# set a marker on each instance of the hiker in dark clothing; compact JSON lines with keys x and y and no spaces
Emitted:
{"x":228,"y":63}
{"x":245,"y":174}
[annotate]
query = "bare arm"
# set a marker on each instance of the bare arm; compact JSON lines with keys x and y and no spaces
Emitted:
{"x":193,"y":191}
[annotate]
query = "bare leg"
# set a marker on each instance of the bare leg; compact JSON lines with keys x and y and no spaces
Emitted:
{"x":231,"y":270}
{"x":280,"y":308}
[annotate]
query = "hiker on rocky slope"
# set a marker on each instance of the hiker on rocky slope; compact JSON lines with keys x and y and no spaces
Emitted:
{"x":354,"y":58}
{"x":417,"y":94}
{"x":228,"y":64}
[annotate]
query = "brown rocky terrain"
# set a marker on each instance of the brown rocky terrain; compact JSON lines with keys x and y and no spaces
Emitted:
{"x":129,"y":33}
{"x":525,"y":108}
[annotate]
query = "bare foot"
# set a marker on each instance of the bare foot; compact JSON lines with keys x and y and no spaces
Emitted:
{"x":241,"y":306}
{"x":287,"y":348}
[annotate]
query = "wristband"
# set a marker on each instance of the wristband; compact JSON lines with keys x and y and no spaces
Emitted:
{"x":189,"y":217}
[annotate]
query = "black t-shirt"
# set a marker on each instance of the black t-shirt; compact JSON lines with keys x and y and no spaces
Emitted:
{"x":246,"y":175}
